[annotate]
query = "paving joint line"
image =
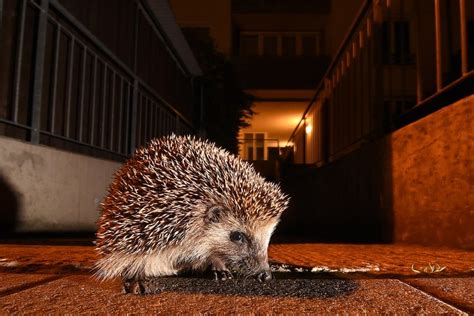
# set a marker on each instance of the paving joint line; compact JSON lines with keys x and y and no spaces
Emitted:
{"x":27,"y":286}
{"x":465,"y":310}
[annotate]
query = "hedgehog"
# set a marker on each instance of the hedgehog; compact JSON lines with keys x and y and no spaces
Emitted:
{"x":183,"y":204}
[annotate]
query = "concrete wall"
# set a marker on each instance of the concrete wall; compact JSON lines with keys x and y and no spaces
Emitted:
{"x":433,"y":178}
{"x":413,"y":186}
{"x":45,"y":189}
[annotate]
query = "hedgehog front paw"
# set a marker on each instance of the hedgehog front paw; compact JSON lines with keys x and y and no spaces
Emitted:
{"x":222,"y":275}
{"x":133,"y":286}
{"x":220,"y":270}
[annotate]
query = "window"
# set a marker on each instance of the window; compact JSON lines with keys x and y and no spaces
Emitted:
{"x":270,"y":46}
{"x":259,"y":146}
{"x":288,"y":46}
{"x":396,"y":42}
{"x":267,"y":43}
{"x":254,"y":146}
{"x":249,"y":45}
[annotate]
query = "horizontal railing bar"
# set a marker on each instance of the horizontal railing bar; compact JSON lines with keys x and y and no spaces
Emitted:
{"x":12,"y":123}
{"x":443,"y":91}
{"x":82,"y":143}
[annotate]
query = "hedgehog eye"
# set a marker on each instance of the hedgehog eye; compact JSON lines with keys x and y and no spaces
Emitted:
{"x":237,"y":237}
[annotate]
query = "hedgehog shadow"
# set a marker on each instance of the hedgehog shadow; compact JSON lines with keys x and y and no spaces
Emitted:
{"x":289,"y":285}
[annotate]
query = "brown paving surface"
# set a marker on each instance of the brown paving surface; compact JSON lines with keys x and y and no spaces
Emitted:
{"x":387,"y":259}
{"x":47,"y":259}
{"x":79,"y":294}
{"x":11,"y":281}
{"x":459,"y":291}
{"x":57,"y":279}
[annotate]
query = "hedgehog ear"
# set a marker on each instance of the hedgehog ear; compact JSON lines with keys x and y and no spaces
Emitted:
{"x":214,"y":214}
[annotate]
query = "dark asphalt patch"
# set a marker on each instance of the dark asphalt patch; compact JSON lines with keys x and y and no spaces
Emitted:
{"x":299,"y":288}
{"x":288,"y":281}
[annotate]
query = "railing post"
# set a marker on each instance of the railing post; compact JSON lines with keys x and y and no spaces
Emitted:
{"x":378,"y":66}
{"x":463,"y":34}
{"x":177,"y":127}
{"x":1,"y":17}
{"x":134,"y":114}
{"x":38,"y":72}
{"x":19,"y":60}
{"x":202,"y":113}
{"x":304,"y":141}
{"x":418,"y":49}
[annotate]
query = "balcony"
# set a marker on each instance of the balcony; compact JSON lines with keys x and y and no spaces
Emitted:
{"x":286,"y":6}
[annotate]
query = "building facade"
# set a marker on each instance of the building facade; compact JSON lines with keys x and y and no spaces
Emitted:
{"x":280,"y":50}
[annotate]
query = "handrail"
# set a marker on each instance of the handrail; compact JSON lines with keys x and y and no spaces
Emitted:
{"x":360,"y":14}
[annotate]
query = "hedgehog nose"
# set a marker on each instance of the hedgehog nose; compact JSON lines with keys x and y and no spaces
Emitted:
{"x":264,"y":276}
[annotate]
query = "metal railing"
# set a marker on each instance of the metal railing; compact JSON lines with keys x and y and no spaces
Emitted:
{"x":391,"y":69}
{"x":78,"y":90}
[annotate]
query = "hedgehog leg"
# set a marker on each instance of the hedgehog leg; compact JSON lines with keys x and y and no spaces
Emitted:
{"x":219,"y":269}
{"x":133,"y":286}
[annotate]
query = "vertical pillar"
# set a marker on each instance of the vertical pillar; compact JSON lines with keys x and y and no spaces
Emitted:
{"x":177,"y":127}
{"x":438,"y":39}
{"x":202,"y":108}
{"x":304,"y":140}
{"x":418,"y":48}
{"x":378,"y":68}
{"x":463,"y":34}
{"x":19,"y":60}
{"x":134,"y":114}
{"x":38,"y":72}
{"x":1,"y":17}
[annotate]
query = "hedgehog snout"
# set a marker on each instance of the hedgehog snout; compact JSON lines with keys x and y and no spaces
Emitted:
{"x":264,"y":272}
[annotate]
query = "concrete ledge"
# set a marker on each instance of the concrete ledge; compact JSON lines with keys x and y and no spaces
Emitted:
{"x":46,"y":189}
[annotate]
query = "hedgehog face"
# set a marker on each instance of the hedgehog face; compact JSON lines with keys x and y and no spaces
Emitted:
{"x":238,"y":247}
